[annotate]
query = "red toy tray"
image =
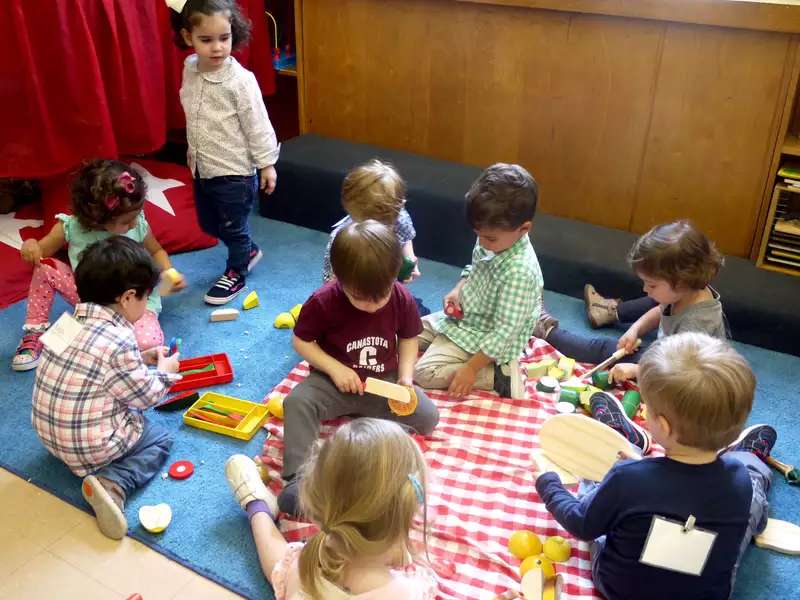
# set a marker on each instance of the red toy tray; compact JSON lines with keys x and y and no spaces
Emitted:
{"x":222,"y":373}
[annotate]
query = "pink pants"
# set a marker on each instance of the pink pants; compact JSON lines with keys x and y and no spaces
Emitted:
{"x":53,"y":276}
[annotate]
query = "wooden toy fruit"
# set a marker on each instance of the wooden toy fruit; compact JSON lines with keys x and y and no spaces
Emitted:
{"x":155,"y":518}
{"x":524,"y":543}
{"x":275,"y":405}
{"x":557,"y":549}
{"x":540,"y":561}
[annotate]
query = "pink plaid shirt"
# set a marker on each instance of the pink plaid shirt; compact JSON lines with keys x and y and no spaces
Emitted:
{"x":85,"y":400}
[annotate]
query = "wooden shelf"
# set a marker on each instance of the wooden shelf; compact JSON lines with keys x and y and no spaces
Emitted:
{"x":292,"y":72}
{"x":791,"y":145}
{"x":779,"y":250}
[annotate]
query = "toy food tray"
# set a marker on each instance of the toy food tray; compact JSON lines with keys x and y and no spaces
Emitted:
{"x":253,"y":415}
{"x":221,"y":373}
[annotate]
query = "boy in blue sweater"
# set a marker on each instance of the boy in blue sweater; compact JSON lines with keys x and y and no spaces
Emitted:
{"x":698,"y":391}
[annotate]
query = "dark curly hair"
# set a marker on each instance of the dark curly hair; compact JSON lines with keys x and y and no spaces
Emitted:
{"x":190,"y":16}
{"x":678,"y":253}
{"x":502,"y":197}
{"x":98,"y":194}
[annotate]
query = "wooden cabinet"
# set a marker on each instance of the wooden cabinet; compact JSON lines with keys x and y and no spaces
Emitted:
{"x":625,"y":121}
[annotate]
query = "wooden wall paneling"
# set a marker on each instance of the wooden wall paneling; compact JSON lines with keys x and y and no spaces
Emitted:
{"x":299,"y":52}
{"x":710,"y":141}
{"x":586,"y":133}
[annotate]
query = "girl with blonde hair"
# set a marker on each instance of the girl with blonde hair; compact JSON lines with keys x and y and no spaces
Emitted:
{"x":363,"y":487}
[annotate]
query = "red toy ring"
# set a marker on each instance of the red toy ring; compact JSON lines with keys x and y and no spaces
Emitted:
{"x":181,"y":469}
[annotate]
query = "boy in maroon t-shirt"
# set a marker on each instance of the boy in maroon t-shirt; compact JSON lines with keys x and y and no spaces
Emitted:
{"x":361,"y":324}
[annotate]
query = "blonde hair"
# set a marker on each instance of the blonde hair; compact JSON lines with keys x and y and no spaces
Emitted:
{"x":357,"y":486}
{"x":677,"y":252}
{"x":701,"y":385}
{"x":374,"y":190}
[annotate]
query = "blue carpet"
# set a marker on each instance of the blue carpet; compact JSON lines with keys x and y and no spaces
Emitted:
{"x":209,"y":533}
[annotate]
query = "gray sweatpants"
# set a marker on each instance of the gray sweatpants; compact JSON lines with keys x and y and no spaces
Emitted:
{"x":316,"y":399}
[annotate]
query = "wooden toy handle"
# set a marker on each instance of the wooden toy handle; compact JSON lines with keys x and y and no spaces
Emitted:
{"x":618,"y":354}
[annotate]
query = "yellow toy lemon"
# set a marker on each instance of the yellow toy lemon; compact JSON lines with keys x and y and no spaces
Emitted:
{"x":540,"y":561}
{"x":295,"y":311}
{"x":275,"y":406}
{"x":524,"y":543}
{"x":557,"y":549}
{"x":284,"y":321}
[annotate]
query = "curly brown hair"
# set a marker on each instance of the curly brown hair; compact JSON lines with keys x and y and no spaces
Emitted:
{"x":502,"y":197}
{"x":100,"y":194}
{"x":191,"y":15}
{"x":678,"y":253}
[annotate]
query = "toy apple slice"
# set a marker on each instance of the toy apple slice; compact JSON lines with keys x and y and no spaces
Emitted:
{"x":155,"y":518}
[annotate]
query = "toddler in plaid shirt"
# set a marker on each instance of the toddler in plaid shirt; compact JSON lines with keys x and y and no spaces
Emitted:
{"x":499,"y":295}
{"x":88,"y":398}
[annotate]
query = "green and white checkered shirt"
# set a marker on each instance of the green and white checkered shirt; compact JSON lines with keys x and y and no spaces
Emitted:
{"x":501,"y":300}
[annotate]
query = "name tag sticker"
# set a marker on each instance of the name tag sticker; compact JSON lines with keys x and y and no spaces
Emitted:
{"x":61,"y":333}
{"x":677,"y":546}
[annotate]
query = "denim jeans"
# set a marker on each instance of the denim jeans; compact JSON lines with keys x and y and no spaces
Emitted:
{"x":142,"y":462}
{"x":223,"y":209}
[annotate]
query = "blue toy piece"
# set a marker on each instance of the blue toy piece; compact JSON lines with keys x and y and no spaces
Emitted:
{"x":175,"y":345}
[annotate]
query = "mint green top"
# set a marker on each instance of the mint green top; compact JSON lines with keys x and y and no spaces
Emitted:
{"x":79,"y":238}
{"x":501,"y":300}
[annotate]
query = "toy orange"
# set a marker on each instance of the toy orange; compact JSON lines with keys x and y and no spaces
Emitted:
{"x":539,"y":561}
{"x":524,"y":543}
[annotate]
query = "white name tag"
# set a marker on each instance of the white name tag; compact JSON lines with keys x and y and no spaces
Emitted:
{"x":677,"y":546}
{"x":61,"y":333}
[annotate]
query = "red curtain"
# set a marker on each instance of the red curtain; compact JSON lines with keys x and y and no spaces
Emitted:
{"x":96,"y":78}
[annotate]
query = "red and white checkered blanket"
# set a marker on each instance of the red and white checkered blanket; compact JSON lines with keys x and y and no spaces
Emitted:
{"x":481,"y":488}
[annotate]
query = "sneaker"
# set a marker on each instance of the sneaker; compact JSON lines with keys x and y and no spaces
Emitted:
{"x":227,"y":287}
{"x":255,"y":255}
{"x":609,"y":411}
{"x":108,"y":505}
{"x":508,"y":380}
{"x":245,"y":481}
{"x":756,"y":439}
{"x":545,"y":325}
{"x":28,"y":353}
{"x":599,"y":310}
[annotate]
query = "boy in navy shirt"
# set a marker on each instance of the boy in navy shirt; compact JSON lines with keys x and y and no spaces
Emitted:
{"x":361,"y":324}
{"x":698,"y":391}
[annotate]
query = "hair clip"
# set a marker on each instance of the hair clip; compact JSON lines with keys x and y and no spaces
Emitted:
{"x":418,"y":489}
{"x":176,"y":5}
{"x":127,"y":182}
{"x":112,"y":202}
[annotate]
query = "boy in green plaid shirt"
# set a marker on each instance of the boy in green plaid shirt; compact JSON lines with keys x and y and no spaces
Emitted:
{"x":498,"y":299}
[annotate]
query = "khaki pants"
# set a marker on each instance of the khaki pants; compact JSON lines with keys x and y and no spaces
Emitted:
{"x":436,"y":368}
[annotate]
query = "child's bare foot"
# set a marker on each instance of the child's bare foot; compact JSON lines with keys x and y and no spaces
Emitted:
{"x":108,"y":502}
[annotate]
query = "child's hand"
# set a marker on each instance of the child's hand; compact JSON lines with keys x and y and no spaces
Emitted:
{"x":268,"y":179}
{"x":628,"y":340}
{"x":346,"y":380}
{"x":462,"y":382}
{"x":168,"y":364}
{"x":150,"y":356}
{"x":31,"y":251}
{"x":414,"y":274}
{"x":623,"y":372}
{"x":406,"y":381}
{"x":452,"y":297}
